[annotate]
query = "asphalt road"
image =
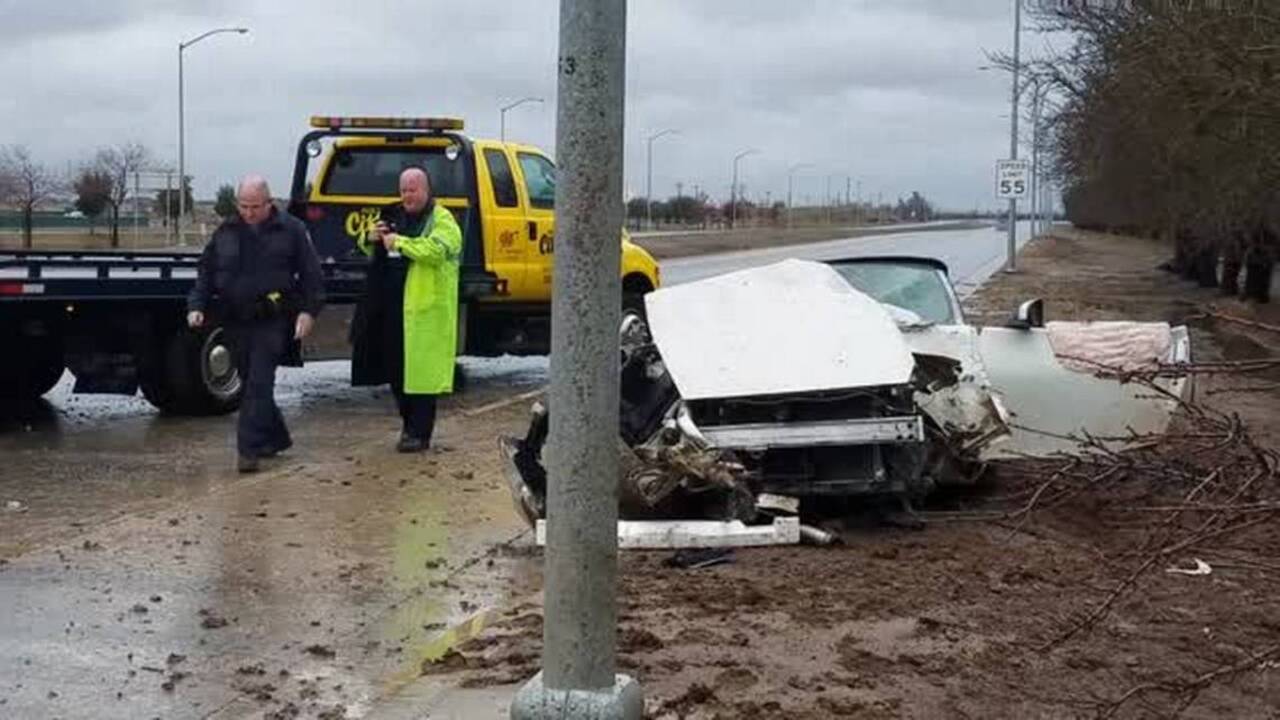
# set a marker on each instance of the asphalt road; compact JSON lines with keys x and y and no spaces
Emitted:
{"x":141,"y":577}
{"x":971,"y":255}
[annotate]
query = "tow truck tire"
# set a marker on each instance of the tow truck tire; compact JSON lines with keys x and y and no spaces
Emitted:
{"x":634,"y":288}
{"x":33,"y":372}
{"x":201,"y":373}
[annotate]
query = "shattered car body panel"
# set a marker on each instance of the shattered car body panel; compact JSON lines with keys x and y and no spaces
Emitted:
{"x":1053,"y":403}
{"x":958,"y":396}
{"x":854,"y":377}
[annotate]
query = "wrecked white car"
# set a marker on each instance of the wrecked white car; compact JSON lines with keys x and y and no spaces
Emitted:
{"x":850,"y":378}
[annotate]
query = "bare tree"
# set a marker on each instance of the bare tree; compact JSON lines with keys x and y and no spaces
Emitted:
{"x":26,"y":184}
{"x":119,"y":163}
{"x":1167,"y":128}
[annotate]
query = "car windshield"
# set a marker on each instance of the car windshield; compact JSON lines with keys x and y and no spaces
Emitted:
{"x":917,"y":287}
{"x":375,"y":171}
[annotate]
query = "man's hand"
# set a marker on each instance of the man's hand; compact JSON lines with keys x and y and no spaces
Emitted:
{"x":195,"y":319}
{"x":302,"y":328}
{"x":383,"y":233}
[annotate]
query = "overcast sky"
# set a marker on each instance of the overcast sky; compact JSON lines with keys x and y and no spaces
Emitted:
{"x":887,"y":91}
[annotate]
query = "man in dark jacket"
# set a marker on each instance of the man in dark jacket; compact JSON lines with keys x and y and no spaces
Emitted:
{"x":260,"y":276}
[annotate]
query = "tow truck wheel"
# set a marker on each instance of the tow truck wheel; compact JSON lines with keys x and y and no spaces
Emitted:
{"x":33,"y":372}
{"x":634,"y":288}
{"x":201,"y":370}
{"x":633,"y":304}
{"x":157,"y":390}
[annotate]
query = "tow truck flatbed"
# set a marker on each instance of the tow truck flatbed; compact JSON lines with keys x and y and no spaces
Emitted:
{"x":131,"y":275}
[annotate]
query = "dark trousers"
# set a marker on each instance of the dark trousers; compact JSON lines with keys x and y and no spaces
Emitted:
{"x":259,"y":347}
{"x":418,"y":412}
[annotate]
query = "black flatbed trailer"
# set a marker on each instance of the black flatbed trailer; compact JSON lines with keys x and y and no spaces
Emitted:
{"x":117,"y":320}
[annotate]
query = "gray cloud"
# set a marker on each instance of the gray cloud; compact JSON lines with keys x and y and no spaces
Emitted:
{"x":885,"y":91}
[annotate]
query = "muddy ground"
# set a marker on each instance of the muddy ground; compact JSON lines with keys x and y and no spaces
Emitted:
{"x":967,"y":618}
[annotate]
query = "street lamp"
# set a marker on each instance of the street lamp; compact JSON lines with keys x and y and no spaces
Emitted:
{"x":733,"y":190}
{"x":791,"y":171}
{"x":1011,"y":262}
{"x":829,"y":199}
{"x":182,"y":160}
{"x":502,"y":114}
{"x":648,"y":187}
{"x":1039,"y":89}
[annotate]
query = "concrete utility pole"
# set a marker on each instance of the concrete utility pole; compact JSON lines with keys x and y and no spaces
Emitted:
{"x":648,"y":186}
{"x":578,"y":679}
{"x":502,"y":114}
{"x":1011,"y":261}
{"x":733,"y":189}
{"x":182,"y":156}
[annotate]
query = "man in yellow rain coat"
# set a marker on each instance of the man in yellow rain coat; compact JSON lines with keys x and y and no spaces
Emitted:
{"x":405,"y":332}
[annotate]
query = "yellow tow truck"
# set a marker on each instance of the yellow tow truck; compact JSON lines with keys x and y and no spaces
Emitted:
{"x":502,"y":194}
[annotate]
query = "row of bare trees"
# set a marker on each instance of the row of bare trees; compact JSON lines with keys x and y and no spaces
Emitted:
{"x":99,"y":186}
{"x":1169,"y":125}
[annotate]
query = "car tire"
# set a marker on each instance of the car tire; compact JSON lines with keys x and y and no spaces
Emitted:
{"x":33,"y":372}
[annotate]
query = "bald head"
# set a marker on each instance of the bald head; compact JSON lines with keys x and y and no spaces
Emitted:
{"x":253,"y":199}
{"x":253,"y":186}
{"x":415,"y":189}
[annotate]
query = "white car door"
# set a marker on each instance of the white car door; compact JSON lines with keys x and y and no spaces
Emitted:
{"x":1054,"y":394}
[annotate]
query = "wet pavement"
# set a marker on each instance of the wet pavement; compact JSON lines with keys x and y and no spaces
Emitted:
{"x":972,"y":255}
{"x":142,"y":577}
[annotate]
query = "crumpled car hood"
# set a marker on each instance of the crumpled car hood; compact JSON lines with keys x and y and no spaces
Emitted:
{"x":791,"y":327}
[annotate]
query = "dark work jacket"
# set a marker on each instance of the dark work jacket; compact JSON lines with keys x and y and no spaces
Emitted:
{"x":240,"y":268}
{"x":377,"y":329}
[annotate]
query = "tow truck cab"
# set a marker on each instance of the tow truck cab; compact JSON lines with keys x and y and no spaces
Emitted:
{"x":502,"y":194}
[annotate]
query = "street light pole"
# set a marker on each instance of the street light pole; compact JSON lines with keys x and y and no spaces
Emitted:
{"x":831,"y":199}
{"x":648,"y":187}
{"x":182,"y":158}
{"x":733,"y":189}
{"x":791,"y":171}
{"x":1037,"y":98}
{"x":502,"y":114}
{"x":1011,"y":261}
{"x":579,"y":656}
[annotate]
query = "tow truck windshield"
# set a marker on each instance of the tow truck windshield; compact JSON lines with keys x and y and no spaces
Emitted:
{"x":374,"y":171}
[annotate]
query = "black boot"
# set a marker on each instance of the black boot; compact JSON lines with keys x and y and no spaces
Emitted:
{"x":410,"y":444}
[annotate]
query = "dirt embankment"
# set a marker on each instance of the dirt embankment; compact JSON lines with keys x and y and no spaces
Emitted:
{"x":1024,"y":598}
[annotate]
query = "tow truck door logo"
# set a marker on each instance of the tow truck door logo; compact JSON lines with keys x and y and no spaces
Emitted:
{"x":360,"y":222}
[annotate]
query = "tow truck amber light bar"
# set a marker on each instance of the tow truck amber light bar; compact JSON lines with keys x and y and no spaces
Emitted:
{"x":398,"y":123}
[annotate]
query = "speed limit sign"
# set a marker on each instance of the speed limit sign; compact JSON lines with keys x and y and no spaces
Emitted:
{"x":1012,"y":178}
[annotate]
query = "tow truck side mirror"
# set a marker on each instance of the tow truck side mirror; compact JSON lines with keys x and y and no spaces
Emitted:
{"x":1029,"y":314}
